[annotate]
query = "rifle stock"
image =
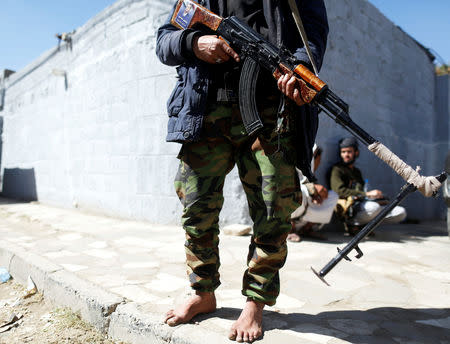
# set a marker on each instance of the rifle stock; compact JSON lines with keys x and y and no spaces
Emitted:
{"x":188,"y":13}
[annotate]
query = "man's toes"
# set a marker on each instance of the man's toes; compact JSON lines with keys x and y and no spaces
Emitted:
{"x":252,"y":336}
{"x":246,"y":337}
{"x":169,"y":315}
{"x":232,"y":335}
{"x":239,"y":338}
{"x":173,"y":321}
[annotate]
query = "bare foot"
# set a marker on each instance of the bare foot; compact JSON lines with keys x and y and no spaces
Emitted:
{"x":249,"y":325}
{"x":201,"y":302}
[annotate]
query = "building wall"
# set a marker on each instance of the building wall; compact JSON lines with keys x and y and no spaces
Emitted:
{"x":389,"y":84}
{"x":442,"y":129}
{"x":85,"y":126}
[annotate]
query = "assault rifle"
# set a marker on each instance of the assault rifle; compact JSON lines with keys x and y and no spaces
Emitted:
{"x":256,"y":52}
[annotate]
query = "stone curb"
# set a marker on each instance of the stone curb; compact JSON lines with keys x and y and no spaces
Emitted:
{"x":131,"y":323}
{"x":59,"y":286}
{"x":109,"y":313}
{"x":120,"y":319}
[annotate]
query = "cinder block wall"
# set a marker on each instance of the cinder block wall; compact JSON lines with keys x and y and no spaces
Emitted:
{"x":86,"y":126}
{"x":389,"y":83}
{"x":99,"y":143}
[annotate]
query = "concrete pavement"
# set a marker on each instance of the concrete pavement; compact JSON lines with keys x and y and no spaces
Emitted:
{"x":123,"y":275}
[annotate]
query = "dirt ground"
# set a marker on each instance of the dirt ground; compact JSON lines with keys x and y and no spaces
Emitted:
{"x":33,"y":320}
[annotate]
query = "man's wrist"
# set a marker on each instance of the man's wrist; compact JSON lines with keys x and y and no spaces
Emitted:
{"x":188,"y":44}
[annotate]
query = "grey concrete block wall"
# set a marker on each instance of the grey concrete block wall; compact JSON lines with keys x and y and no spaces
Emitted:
{"x":442,"y":127}
{"x":91,"y":121}
{"x":100,"y":143}
{"x":389,"y":83}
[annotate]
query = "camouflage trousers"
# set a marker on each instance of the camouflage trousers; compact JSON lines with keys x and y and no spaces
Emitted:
{"x":272,"y":190}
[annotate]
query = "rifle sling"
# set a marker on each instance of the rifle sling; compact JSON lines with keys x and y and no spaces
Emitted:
{"x":301,"y":30}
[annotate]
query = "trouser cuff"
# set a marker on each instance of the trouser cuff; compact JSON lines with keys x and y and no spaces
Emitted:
{"x":269,"y":301}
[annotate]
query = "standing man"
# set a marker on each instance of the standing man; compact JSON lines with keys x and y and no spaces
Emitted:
{"x":204,"y":116}
{"x":347,"y":181}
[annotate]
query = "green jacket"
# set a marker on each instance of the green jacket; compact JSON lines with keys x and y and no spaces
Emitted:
{"x":346,"y":181}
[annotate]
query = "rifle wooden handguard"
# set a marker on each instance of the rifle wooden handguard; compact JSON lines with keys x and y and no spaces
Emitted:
{"x":307,"y":93}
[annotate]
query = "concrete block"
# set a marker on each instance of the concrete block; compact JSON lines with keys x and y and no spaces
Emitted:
{"x":135,"y":14}
{"x":5,"y":254}
{"x":167,"y":208}
{"x":93,"y":303}
{"x":338,"y":10}
{"x":24,"y":264}
{"x":131,"y":324}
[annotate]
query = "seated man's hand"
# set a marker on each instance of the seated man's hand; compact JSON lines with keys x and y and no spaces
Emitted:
{"x":212,"y":49}
{"x":374,"y":194}
{"x":320,"y":195}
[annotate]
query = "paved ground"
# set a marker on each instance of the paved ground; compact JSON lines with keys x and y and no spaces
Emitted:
{"x":123,"y":275}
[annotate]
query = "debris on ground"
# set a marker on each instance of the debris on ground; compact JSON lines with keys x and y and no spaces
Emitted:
{"x":4,"y":275}
{"x":31,"y":288}
{"x":12,"y":322}
{"x":26,"y":317}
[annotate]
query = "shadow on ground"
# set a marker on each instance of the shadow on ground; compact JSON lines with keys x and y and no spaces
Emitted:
{"x":372,"y":326}
{"x":393,"y":233}
{"x":6,"y":201}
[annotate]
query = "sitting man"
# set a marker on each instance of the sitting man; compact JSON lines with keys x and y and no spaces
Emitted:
{"x":361,"y":206}
{"x":317,"y":206}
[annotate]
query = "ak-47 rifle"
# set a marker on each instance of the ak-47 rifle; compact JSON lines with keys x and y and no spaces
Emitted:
{"x":256,"y":52}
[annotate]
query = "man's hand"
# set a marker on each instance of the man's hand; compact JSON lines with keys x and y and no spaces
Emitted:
{"x":320,"y":195}
{"x":287,"y":84}
{"x":374,"y":194}
{"x":212,"y":49}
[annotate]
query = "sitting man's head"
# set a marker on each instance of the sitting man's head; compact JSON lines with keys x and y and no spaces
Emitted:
{"x":348,"y":150}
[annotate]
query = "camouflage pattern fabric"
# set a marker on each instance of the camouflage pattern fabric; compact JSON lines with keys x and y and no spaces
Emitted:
{"x":271,"y":186}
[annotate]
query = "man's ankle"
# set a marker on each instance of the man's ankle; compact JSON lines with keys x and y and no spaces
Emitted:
{"x":257,"y":303}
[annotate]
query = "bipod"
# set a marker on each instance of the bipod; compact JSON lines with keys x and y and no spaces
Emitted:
{"x":353,"y":244}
